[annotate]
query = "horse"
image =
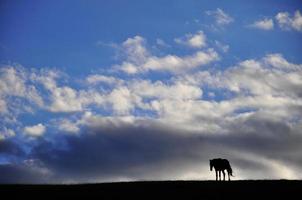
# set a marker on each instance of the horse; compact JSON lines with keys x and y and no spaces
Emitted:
{"x":220,"y":165}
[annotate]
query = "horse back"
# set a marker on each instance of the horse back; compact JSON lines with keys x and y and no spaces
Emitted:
{"x":222,"y":163}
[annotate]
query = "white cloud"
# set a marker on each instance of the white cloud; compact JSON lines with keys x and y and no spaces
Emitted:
{"x":161,"y":42}
{"x":18,"y":94}
{"x":288,"y":22}
{"x":171,"y":63}
{"x":126,"y":98}
{"x":221,"y":17}
{"x":174,"y":63}
{"x":59,"y":97}
{"x":94,"y":120}
{"x":122,"y":100}
{"x":139,"y":60}
{"x":197,"y":40}
{"x":47,"y":78}
{"x":68,"y":126}
{"x":67,"y":99}
{"x":270,"y":86}
{"x":14,"y":82}
{"x":97,"y":78}
{"x":265,"y":24}
{"x":268,"y":76}
{"x":158,"y":89}
{"x":6,"y":133}
{"x":135,"y":50}
{"x":3,"y":106}
{"x":35,"y":131}
{"x":223,"y":47}
{"x":278,"y":61}
{"x":297,"y":21}
{"x":271,"y":75}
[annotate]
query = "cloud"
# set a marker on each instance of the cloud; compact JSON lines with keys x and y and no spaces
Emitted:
{"x":223,"y":47}
{"x":98,"y":78}
{"x":197,"y":40}
{"x":270,"y":86}
{"x":273,"y":75}
{"x":139,"y":60}
{"x":122,"y":97}
{"x":8,"y":147}
{"x":160,"y":90}
{"x":135,"y":50}
{"x":288,"y":22}
{"x":162,"y":43}
{"x":265,"y":24}
{"x":27,"y":172}
{"x":136,"y":128}
{"x":35,"y":131}
{"x":63,"y":98}
{"x":6,"y":133}
{"x":220,"y":16}
{"x":110,"y":150}
{"x":283,"y":19}
{"x":3,"y":106}
{"x":172,"y":63}
{"x":14,"y":82}
{"x":122,"y":100}
{"x":278,"y":61}
{"x":66,"y":125}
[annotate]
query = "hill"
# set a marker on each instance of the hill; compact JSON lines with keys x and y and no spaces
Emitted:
{"x":248,"y":189}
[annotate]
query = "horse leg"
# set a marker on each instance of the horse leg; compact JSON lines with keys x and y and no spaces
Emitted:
{"x":229,"y":176}
{"x":223,"y":175}
{"x":219,"y":175}
{"x":216,"y":175}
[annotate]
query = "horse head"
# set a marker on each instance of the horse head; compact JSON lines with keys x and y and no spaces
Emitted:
{"x":211,"y":165}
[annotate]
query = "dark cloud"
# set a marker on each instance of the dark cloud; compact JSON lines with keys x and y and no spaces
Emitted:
{"x":140,"y":152}
{"x":7,"y":146}
{"x":127,"y":151}
{"x":153,"y":151}
{"x":21,"y":173}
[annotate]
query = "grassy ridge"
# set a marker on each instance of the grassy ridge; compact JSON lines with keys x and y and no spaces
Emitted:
{"x":270,"y":189}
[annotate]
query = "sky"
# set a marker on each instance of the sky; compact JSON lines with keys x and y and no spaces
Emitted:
{"x":102,"y":91}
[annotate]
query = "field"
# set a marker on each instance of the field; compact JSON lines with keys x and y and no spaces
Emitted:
{"x":247,"y":189}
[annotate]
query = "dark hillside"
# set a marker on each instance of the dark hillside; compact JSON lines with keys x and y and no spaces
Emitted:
{"x":260,"y":189}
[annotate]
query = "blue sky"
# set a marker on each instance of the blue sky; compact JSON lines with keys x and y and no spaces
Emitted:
{"x":64,"y":34}
{"x":196,"y":74}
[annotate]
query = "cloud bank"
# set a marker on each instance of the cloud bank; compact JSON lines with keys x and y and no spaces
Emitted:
{"x":126,"y":126}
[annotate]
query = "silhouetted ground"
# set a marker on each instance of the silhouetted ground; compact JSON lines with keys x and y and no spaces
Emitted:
{"x":260,"y":189}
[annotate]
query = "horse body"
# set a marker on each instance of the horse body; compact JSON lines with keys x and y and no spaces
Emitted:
{"x":220,"y":165}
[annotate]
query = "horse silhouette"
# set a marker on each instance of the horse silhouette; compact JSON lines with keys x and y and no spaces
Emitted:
{"x":220,"y":165}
